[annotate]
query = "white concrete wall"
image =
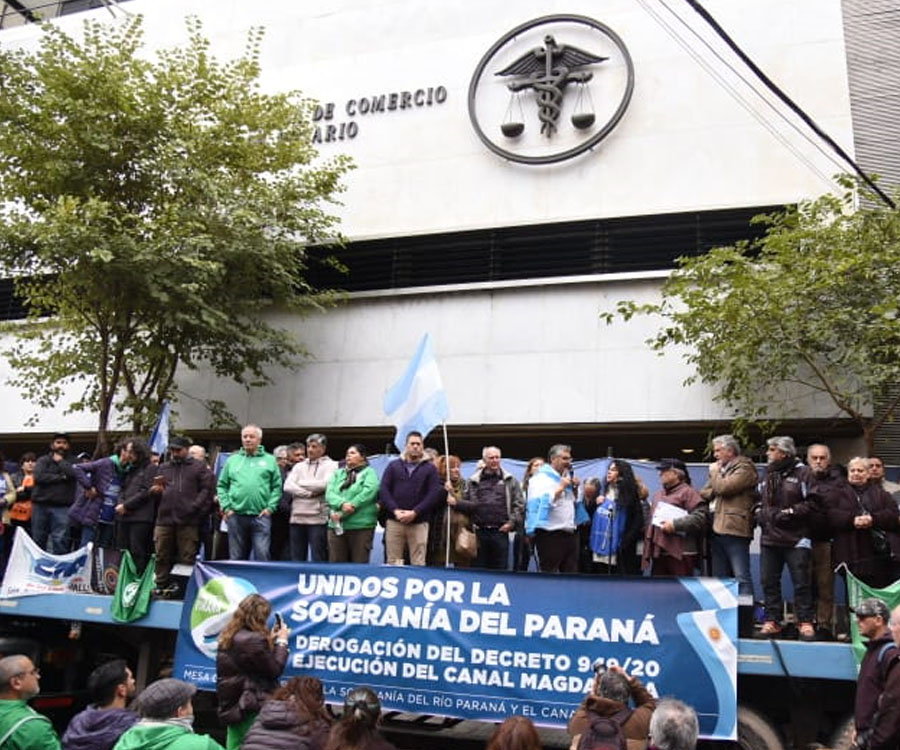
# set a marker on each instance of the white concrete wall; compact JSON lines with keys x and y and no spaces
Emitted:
{"x":516,"y":355}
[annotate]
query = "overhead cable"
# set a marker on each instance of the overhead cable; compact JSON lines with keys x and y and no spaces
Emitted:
{"x":775,"y":89}
{"x":740,"y":99}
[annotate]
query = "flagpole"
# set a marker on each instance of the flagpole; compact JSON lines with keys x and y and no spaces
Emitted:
{"x":447,"y":465}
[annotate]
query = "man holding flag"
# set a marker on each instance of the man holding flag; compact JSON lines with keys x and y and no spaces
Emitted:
{"x":410,"y":488}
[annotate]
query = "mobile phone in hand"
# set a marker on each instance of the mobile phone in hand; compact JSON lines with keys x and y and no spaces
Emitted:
{"x":279,"y":621}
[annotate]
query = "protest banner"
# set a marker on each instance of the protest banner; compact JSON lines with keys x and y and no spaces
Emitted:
{"x":32,"y":571}
{"x":479,"y":645}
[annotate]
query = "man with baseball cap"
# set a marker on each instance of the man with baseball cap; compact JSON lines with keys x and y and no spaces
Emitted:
{"x":872,"y":617}
{"x":167,"y":716}
{"x":674,"y":538}
{"x":183,"y":487}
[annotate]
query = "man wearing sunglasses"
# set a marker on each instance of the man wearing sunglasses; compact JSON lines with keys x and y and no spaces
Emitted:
{"x":21,"y":727}
{"x":876,"y":712}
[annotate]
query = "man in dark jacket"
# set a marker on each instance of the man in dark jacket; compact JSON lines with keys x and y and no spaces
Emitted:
{"x":54,"y":492}
{"x":885,"y":726}
{"x":784,"y":516}
{"x":99,"y":726}
{"x":873,"y":617}
{"x":185,"y":497}
{"x":410,"y":490}
{"x":494,"y":502}
{"x":613,"y":691}
{"x":828,"y":486}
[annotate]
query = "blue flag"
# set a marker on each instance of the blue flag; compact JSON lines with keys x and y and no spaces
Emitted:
{"x":417,"y":402}
{"x":159,"y":438}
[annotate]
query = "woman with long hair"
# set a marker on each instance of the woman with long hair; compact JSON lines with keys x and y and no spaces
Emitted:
{"x":136,"y":506}
{"x":618,"y":522}
{"x":250,"y":659}
{"x":515,"y":733}
{"x":522,"y":544}
{"x":357,"y":728}
{"x":294,"y":718}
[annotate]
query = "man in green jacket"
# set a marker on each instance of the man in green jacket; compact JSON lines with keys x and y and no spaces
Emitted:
{"x":249,"y":490}
{"x":21,"y":727}
{"x":167,"y":715}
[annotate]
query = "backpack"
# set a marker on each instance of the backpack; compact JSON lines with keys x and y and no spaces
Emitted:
{"x":885,"y":666}
{"x":606,"y":732}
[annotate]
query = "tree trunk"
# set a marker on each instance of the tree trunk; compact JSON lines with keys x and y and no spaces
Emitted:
{"x":869,"y":432}
{"x":101,"y":448}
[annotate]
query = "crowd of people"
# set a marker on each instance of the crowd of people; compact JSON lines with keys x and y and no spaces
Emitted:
{"x":297,"y":503}
{"x":259,"y":712}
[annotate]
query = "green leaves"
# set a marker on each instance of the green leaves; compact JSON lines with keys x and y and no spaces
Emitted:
{"x":153,"y":209}
{"x":810,"y":308}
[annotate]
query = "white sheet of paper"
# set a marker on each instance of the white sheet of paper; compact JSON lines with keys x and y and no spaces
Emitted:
{"x":667,"y":512}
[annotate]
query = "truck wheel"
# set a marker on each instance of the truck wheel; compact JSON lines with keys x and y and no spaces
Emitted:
{"x":842,"y":736}
{"x":755,"y":732}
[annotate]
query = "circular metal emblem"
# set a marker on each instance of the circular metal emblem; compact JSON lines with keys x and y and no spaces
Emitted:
{"x":550,"y":89}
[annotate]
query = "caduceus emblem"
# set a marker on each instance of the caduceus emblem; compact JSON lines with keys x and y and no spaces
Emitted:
{"x":548,"y":70}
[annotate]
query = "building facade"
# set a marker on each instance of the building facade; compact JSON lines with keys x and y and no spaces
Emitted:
{"x":652,"y":141}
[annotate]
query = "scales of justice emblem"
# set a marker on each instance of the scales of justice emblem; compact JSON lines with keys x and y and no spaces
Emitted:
{"x":548,"y":70}
{"x":534,"y":68}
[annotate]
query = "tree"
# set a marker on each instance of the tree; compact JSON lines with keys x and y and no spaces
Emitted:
{"x":812,"y":307}
{"x":152,"y":213}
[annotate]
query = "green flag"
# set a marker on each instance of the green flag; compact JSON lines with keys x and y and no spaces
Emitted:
{"x":856,"y":592}
{"x":132,"y":598}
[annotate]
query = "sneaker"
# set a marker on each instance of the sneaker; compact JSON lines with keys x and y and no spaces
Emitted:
{"x":769,"y":629}
{"x":807,"y":632}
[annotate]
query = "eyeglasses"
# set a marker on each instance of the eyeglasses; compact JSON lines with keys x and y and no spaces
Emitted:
{"x":36,"y":672}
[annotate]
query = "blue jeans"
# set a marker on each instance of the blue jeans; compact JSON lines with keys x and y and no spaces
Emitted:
{"x":309,"y":541}
{"x":247,"y":531}
{"x":102,"y":535}
{"x":731,"y":557}
{"x":493,"y":550}
{"x":772,"y":561}
{"x":50,"y":523}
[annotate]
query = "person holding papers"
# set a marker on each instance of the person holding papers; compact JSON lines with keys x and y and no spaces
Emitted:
{"x":674,"y":538}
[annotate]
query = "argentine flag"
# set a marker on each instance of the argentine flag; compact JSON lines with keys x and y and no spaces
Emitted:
{"x":159,"y":438}
{"x":417,"y":402}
